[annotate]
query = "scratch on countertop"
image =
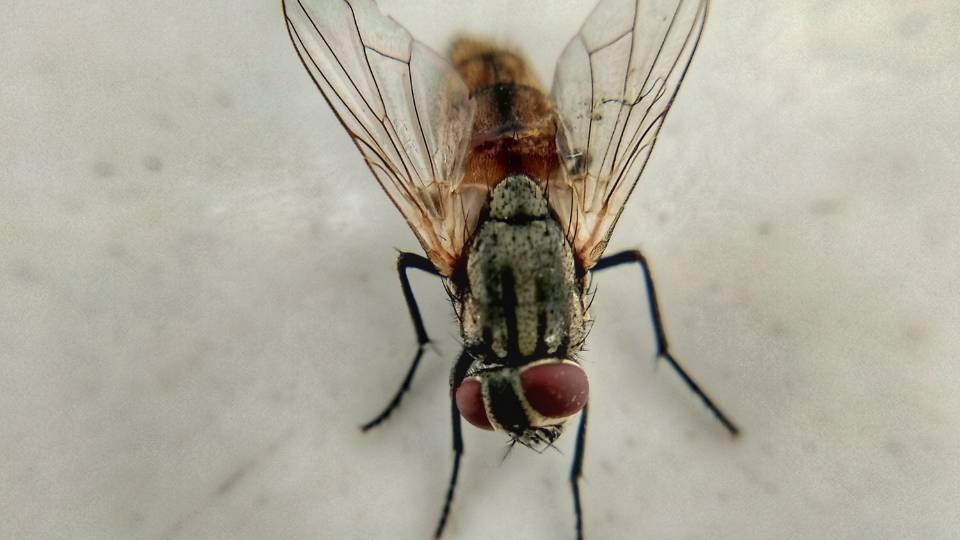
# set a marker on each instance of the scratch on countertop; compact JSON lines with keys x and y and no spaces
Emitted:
{"x":227,"y":484}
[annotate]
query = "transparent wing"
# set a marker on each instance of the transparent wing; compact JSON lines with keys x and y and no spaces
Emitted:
{"x":406,"y":109}
{"x":613,"y":86}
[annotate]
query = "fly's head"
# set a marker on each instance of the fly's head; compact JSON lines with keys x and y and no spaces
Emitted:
{"x":530,"y":402}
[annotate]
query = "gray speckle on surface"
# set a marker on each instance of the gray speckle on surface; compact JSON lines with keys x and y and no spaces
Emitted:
{"x":224,"y":100}
{"x":152,"y":163}
{"x":826,"y":207}
{"x":103,"y":169}
{"x":157,"y":336}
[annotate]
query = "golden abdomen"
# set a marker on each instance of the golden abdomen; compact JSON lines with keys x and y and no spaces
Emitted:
{"x":514,"y":130}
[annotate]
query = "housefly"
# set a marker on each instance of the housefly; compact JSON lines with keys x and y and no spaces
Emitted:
{"x":512,"y":192}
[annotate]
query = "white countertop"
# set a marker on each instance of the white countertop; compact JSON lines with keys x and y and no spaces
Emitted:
{"x":198,"y":303}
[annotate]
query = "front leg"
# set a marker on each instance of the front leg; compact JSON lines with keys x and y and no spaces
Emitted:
{"x":404,"y":262}
{"x":577,"y":470}
{"x":457,"y":375}
{"x":663,"y":348}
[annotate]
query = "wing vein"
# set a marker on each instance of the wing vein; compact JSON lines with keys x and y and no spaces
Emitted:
{"x":613,"y":91}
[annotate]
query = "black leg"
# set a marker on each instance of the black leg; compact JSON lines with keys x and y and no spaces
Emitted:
{"x":663,"y":349}
{"x":456,"y":377}
{"x":577,"y":470}
{"x":404,"y":262}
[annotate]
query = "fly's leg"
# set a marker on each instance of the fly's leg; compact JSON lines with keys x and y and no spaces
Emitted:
{"x":577,"y":470}
{"x":663,"y":349}
{"x":405,"y":262}
{"x":456,"y":377}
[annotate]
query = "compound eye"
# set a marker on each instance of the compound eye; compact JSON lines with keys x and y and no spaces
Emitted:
{"x":555,"y":390}
{"x":469,"y":396}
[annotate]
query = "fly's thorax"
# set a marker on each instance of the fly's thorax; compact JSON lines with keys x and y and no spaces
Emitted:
{"x":523,"y":300}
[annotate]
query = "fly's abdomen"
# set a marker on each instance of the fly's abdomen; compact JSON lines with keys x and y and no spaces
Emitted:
{"x":514,"y":129}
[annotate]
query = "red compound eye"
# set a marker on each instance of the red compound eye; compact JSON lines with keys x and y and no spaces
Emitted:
{"x":469,"y":398}
{"x":555,"y":390}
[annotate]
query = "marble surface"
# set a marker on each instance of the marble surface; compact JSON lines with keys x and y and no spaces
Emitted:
{"x":198,"y":305}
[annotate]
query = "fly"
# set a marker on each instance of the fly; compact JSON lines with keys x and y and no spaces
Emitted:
{"x":512,"y":192}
